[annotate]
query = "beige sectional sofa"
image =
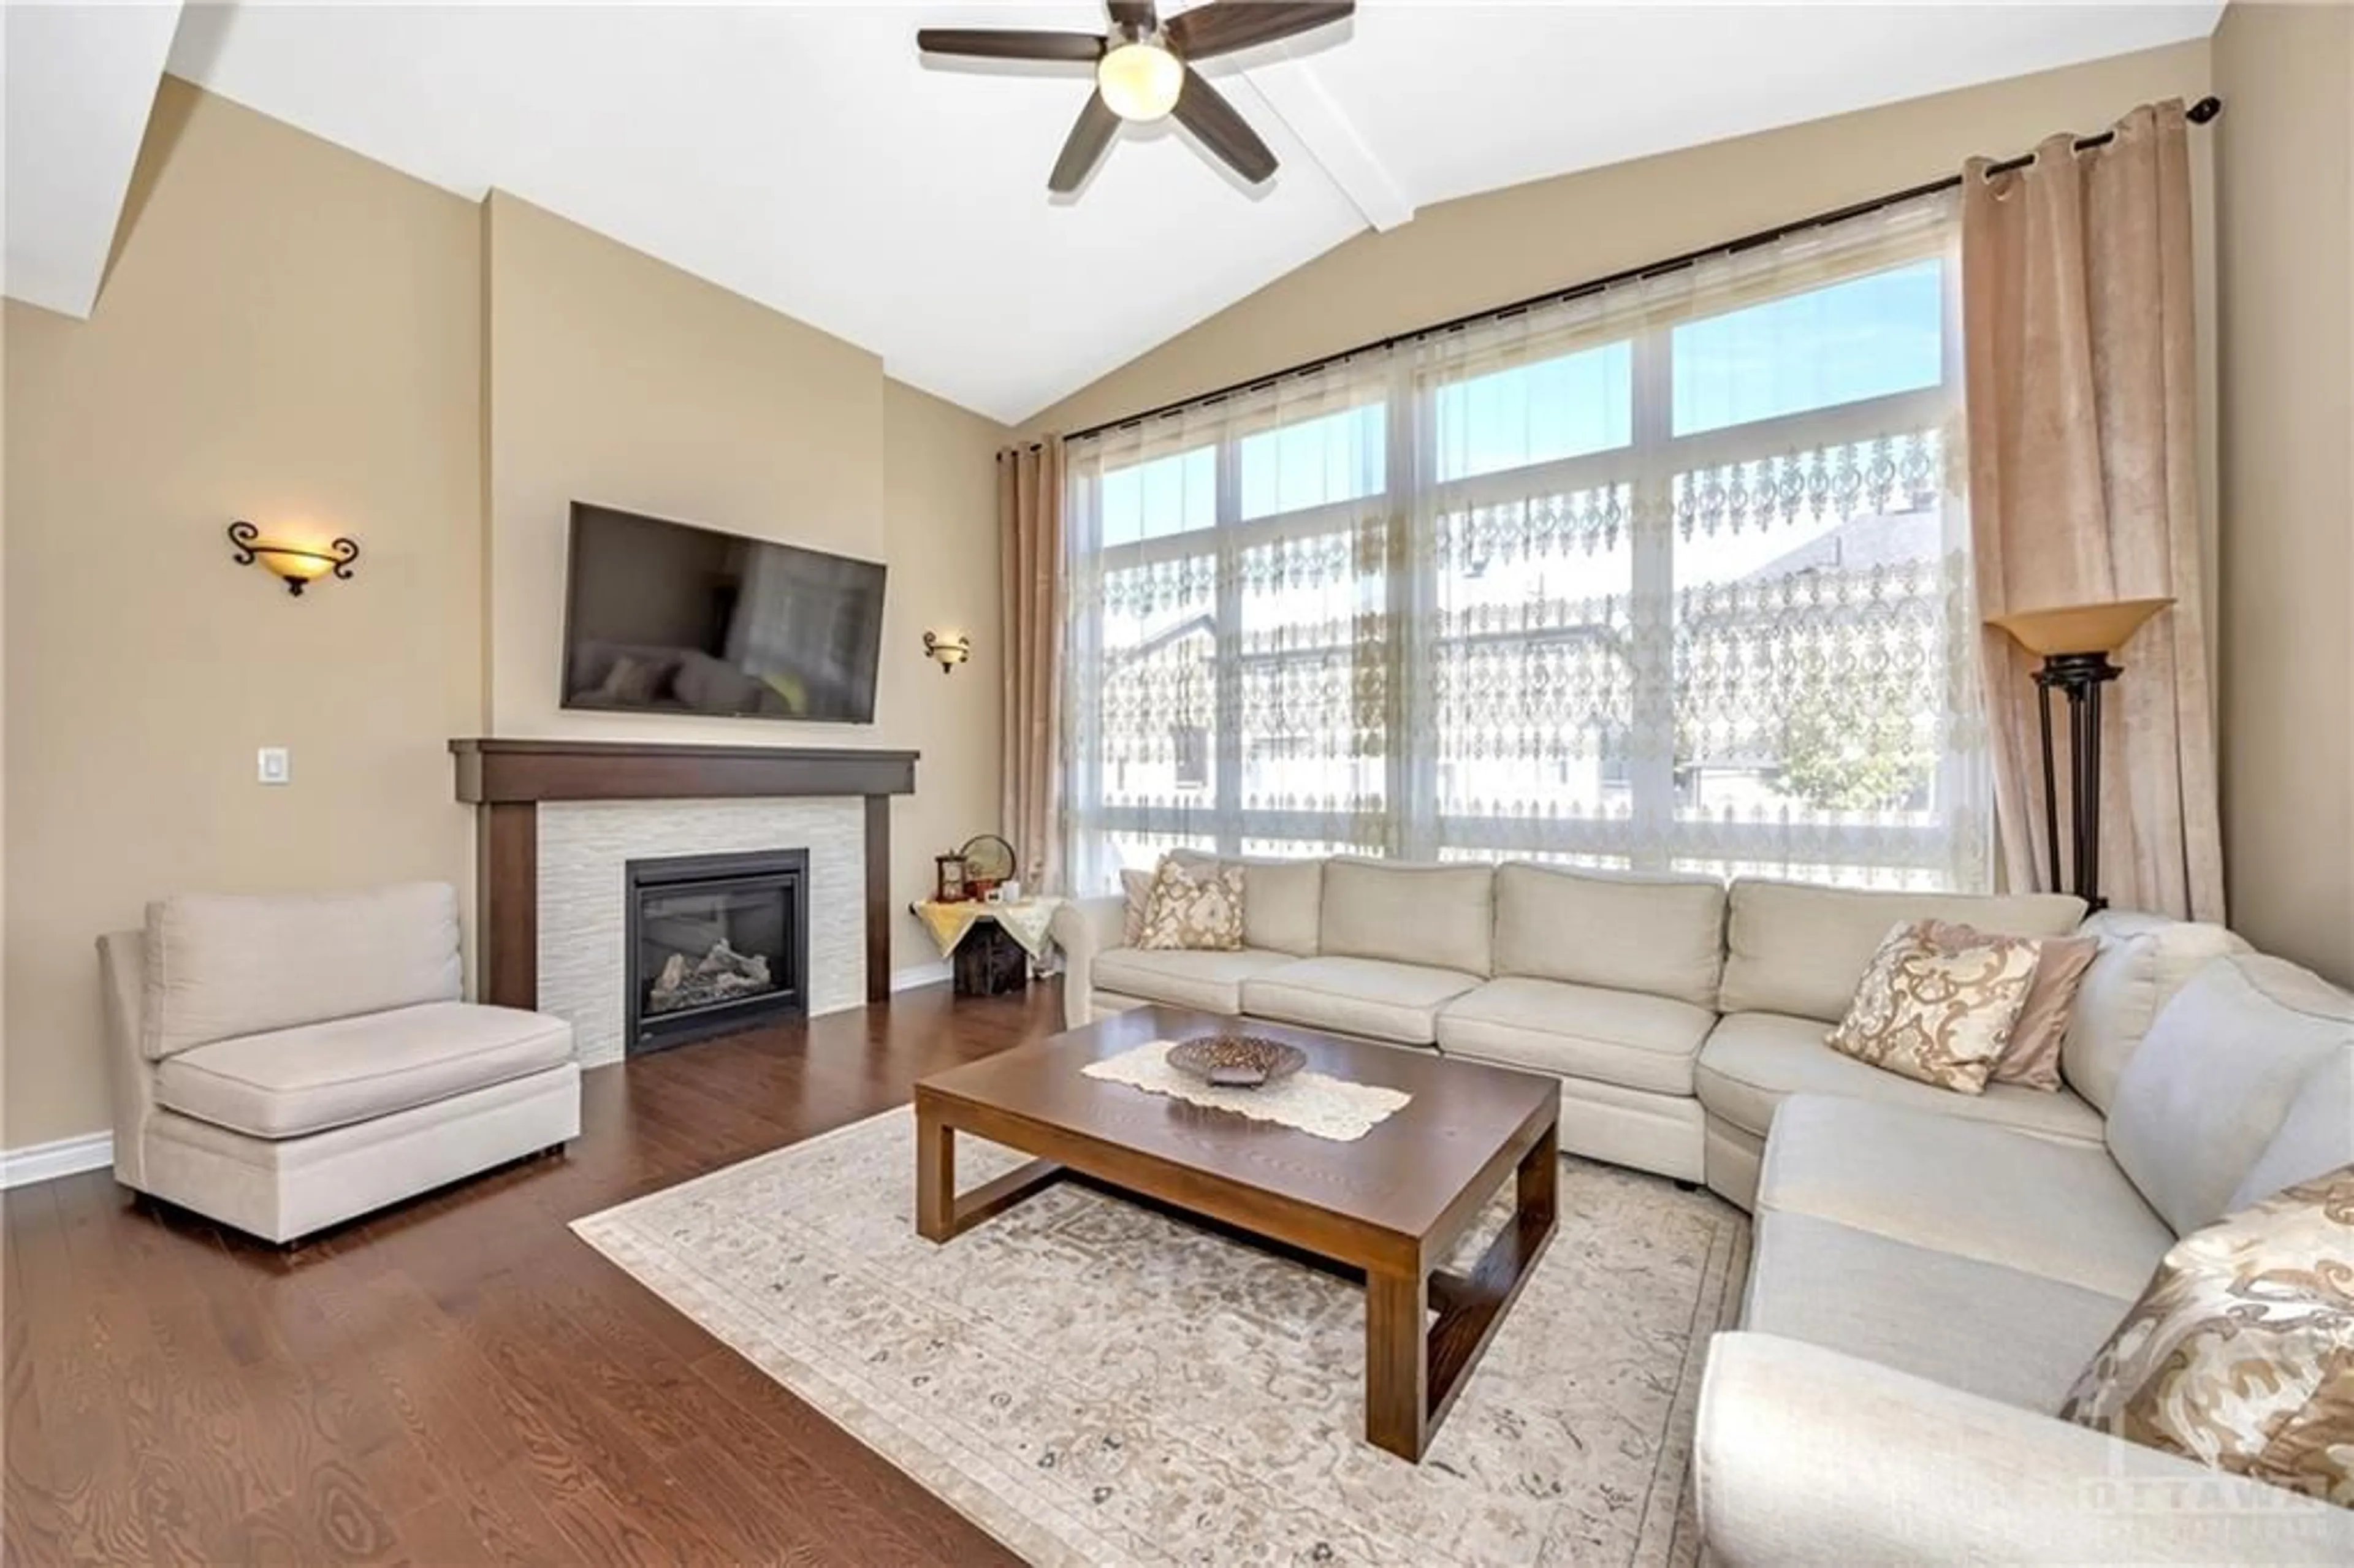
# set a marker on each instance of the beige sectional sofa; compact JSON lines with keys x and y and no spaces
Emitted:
{"x":1926,"y":1287}
{"x":1677,"y":1013}
{"x":1931,"y":1271}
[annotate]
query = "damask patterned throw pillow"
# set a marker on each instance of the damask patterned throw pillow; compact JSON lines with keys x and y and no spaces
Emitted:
{"x":2240,"y":1354}
{"x":1195,"y":907}
{"x":1935,"y":1012}
{"x":2032,"y":1058}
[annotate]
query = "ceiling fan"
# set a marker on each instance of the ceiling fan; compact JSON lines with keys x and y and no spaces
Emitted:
{"x":1144,"y":70}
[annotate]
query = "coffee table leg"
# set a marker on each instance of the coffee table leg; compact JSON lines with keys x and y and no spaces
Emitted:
{"x":1398,"y":1363}
{"x":1413,"y":1372}
{"x":1537,"y":1183}
{"x":935,"y":1176}
{"x":941,"y":1212}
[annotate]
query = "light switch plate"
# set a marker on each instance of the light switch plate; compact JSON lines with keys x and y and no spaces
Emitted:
{"x":272,"y":764}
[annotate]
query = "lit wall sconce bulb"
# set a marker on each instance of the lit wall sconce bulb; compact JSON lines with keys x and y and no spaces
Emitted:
{"x":294,"y":565}
{"x":949,"y":652}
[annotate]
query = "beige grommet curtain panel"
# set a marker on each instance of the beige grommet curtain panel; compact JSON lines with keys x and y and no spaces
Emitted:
{"x":2083,"y":488}
{"x":1030,"y":568}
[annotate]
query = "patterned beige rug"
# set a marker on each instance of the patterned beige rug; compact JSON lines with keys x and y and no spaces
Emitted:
{"x":1091,"y":1382}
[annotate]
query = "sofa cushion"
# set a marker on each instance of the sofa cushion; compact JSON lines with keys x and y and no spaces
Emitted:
{"x":1282,"y":904}
{"x":1358,"y":996}
{"x":2316,"y":1137}
{"x":1797,"y":949}
{"x":2212,"y":1085}
{"x":220,"y":965}
{"x":1752,"y":1061}
{"x":1211,"y":982}
{"x":289,"y":1082}
{"x":2001,"y":1333}
{"x":1664,"y":935}
{"x":2143,"y":961}
{"x":1434,"y":916}
{"x":1621,"y":1037}
{"x":2061,"y":1209}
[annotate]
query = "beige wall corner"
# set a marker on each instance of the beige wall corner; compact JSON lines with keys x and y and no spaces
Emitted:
{"x":940,"y":497}
{"x":2286,"y":272}
{"x":291,"y":335}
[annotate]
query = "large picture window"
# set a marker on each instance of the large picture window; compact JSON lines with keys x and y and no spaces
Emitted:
{"x":1667,"y":579}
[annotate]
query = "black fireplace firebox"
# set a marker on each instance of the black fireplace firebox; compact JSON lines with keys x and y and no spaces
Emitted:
{"x":716,"y":943}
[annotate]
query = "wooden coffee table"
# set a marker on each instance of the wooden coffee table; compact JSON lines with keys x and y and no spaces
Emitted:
{"x":1388,"y":1208}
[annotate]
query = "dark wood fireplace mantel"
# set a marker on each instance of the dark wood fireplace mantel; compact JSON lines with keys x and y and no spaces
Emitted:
{"x":505,"y":780}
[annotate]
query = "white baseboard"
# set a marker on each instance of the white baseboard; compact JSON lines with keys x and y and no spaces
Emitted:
{"x":48,"y":1161}
{"x":921,"y":975}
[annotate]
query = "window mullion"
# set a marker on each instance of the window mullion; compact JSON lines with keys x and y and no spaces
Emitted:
{"x":1411,"y":741}
{"x":1651,"y":776}
{"x":1226,"y":700}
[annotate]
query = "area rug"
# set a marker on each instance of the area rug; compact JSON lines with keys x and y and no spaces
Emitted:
{"x":1091,"y":1382}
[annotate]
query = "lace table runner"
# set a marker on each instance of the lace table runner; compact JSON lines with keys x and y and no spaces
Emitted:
{"x":1315,"y":1103}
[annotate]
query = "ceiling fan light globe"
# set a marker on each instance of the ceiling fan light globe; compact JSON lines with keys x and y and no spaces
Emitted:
{"x":1139,"y":80}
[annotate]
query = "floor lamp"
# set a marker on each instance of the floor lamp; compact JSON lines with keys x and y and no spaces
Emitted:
{"x":2075,"y":642}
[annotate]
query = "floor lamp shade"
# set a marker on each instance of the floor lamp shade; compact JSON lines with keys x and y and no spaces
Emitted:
{"x":2074,"y":642}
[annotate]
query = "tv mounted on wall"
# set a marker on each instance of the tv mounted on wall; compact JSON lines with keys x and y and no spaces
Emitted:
{"x":663,"y":617}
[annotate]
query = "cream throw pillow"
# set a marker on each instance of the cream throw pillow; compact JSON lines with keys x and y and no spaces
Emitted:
{"x":1936,"y":1013}
{"x":2240,"y":1353}
{"x":1137,"y":886}
{"x":2032,"y":1058}
{"x":1194,"y":907}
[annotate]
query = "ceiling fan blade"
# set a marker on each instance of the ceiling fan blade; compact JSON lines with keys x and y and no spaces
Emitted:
{"x":1136,"y":14}
{"x":1225,"y":26}
{"x":1203,"y":109}
{"x":1005,"y":43}
{"x":1085,"y":148}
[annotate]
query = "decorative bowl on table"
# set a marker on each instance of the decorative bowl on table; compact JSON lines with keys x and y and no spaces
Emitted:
{"x":1236,"y":1061}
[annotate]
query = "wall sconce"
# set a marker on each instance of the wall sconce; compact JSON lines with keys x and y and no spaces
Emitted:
{"x":294,"y":565}
{"x":950,"y":651}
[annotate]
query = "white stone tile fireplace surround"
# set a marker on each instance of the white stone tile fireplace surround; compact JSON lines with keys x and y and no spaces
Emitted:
{"x":556,"y":822}
{"x":584,"y":844}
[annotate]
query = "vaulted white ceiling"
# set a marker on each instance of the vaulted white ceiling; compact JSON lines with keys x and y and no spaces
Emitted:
{"x":805,"y":155}
{"x":79,"y":80}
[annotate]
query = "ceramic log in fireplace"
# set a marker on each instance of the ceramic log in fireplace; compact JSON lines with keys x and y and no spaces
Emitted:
{"x":716,"y":943}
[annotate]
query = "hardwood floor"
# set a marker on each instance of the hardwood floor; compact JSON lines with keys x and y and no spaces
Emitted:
{"x":459,"y":1380}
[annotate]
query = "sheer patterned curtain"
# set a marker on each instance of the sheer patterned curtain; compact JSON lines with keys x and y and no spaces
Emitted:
{"x":1228,"y":685}
{"x":1670,"y":577}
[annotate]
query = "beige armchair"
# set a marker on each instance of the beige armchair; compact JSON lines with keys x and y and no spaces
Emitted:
{"x":283,"y":1064}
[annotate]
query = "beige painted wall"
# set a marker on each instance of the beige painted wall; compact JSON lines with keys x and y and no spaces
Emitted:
{"x":617,"y":378}
{"x":1485,"y":250}
{"x":290,"y":334}
{"x":298,"y":335}
{"x":2285,"y":217}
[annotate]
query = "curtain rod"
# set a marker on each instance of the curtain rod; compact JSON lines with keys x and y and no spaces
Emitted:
{"x":2199,"y":113}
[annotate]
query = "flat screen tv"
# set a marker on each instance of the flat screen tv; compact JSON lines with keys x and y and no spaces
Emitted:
{"x":664,"y":616}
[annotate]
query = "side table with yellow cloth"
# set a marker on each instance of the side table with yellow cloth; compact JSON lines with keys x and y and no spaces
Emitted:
{"x":992,"y":946}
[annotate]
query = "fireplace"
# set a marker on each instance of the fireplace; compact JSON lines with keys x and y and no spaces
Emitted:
{"x":716,"y":943}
